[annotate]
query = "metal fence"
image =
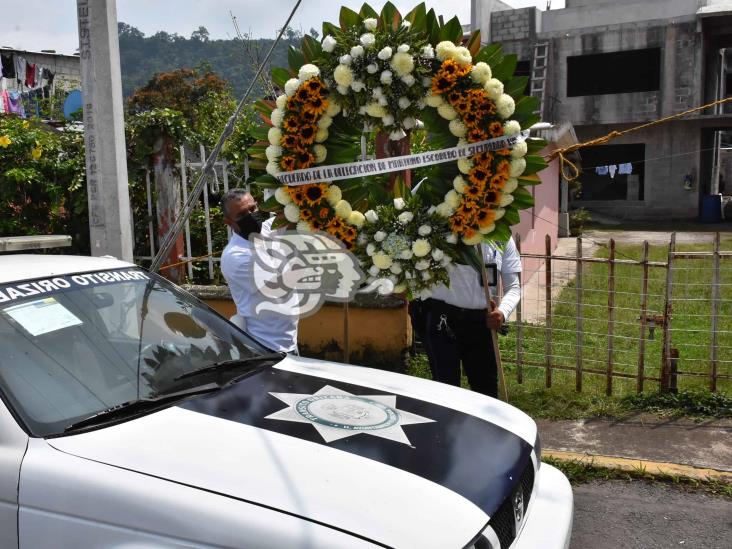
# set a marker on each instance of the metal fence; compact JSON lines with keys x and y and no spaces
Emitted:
{"x":623,"y":321}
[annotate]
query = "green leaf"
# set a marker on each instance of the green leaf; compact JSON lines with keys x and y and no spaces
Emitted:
{"x":280,"y":76}
{"x":452,"y":30}
{"x":526,"y":120}
{"x":536,"y":144}
{"x":368,"y":12}
{"x":390,"y":17}
{"x":501,"y":233}
{"x":468,"y":255}
{"x":432,"y":26}
{"x":329,"y":28}
{"x":534,"y":164}
{"x":311,"y":49}
{"x":418,"y":18}
{"x":295,"y":58}
{"x":522,"y":199}
{"x":349,"y":18}
{"x":504,"y":70}
{"x":527,"y":104}
{"x":260,"y":133}
{"x":490,"y":54}
{"x":529,"y":180}
{"x":512,"y":216}
{"x":516,"y":86}
{"x":473,"y":43}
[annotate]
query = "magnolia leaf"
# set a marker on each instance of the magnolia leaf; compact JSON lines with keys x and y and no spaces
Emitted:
{"x":473,"y":43}
{"x":452,"y":30}
{"x":368,"y":12}
{"x":348,"y":18}
{"x":490,"y":54}
{"x":529,"y":180}
{"x":516,"y":86}
{"x":512,"y":216}
{"x":418,"y":18}
{"x":295,"y":58}
{"x":504,"y":70}
{"x":390,"y":16}
{"x":280,"y":76}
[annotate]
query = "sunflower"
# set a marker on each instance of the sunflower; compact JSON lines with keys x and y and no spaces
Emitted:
{"x":495,"y":129}
{"x":287,"y":163}
{"x":441,"y":84}
{"x":297,"y":195}
{"x":491,"y":197}
{"x":484,"y":158}
{"x":302,"y":94}
{"x":305,"y":159}
{"x":315,"y":105}
{"x":307,"y":134}
{"x":316,"y":224}
{"x":470,"y":117}
{"x":503,"y":168}
{"x":477,"y":134}
{"x":308,"y":117}
{"x":290,"y":124}
{"x":457,"y":223}
{"x":290,"y":141}
{"x":454,"y":96}
{"x":293,"y":104}
{"x":314,"y":193}
{"x":324,"y":213}
{"x":480,"y":175}
{"x":474,"y":191}
{"x":485,"y":217}
{"x":314,"y":86}
{"x":497,"y":182}
{"x":451,"y":68}
{"x":469,"y":232}
{"x":503,"y":152}
{"x":305,"y":214}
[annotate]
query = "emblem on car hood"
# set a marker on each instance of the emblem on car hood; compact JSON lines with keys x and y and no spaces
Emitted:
{"x":338,"y":414}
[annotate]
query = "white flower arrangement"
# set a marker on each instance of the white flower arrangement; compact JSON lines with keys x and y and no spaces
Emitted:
{"x":343,"y":75}
{"x":357,"y":51}
{"x":481,"y":73}
{"x":367,"y":40}
{"x":519,"y":150}
{"x":457,"y":128}
{"x":274,"y":135}
{"x":402,"y":63}
{"x":281,"y":102}
{"x":282,"y":196}
{"x":345,"y":59}
{"x":307,"y":72}
{"x":370,"y":24}
{"x":291,"y":86}
{"x":494,"y":88}
{"x":446,"y":111}
{"x":276,"y":117}
{"x":384,"y":54}
{"x":518,"y":166}
{"x":273,"y":153}
{"x":505,"y":106}
{"x":292,"y":213}
{"x":511,"y":128}
{"x":329,"y":44}
{"x":334,"y":195}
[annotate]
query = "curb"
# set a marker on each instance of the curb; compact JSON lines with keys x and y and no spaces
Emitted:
{"x":638,"y":465}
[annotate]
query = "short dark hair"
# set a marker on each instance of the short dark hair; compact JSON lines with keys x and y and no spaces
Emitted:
{"x":232,"y":195}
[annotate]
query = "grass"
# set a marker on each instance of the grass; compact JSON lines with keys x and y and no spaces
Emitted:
{"x":580,"y":472}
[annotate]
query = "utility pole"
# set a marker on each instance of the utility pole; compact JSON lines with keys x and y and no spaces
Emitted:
{"x":110,"y":219}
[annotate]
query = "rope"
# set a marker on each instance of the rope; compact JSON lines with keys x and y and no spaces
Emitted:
{"x":565,"y":163}
{"x":186,"y":261}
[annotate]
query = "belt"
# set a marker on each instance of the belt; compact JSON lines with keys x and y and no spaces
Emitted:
{"x":454,"y":312}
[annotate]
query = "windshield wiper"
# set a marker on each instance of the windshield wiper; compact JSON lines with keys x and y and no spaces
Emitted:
{"x":133,"y":407}
{"x":231,"y":363}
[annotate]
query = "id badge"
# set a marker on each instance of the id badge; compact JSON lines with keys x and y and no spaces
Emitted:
{"x":492,"y":270}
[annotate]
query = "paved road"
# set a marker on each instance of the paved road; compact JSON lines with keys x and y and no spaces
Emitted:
{"x":639,"y":515}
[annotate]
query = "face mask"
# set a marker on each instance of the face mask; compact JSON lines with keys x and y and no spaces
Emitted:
{"x":250,"y":223}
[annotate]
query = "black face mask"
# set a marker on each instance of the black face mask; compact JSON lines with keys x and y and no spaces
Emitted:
{"x":251,"y":223}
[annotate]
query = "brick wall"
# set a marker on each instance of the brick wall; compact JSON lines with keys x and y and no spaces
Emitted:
{"x":513,"y":25}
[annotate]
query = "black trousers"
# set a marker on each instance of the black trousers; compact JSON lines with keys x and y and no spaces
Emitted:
{"x":451,"y":336}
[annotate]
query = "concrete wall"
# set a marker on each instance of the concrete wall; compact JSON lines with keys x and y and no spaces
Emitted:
{"x":515,"y":30}
{"x":66,"y":68}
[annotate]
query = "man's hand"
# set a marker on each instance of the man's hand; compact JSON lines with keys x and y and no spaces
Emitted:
{"x":494,"y":319}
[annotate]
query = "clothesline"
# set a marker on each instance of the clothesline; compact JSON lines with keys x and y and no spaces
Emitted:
{"x":622,"y":169}
{"x":38,"y":80}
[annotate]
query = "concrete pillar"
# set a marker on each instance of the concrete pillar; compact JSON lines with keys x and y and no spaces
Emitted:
{"x":110,"y":219}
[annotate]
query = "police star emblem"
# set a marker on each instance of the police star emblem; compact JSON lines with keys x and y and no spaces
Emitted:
{"x":338,"y":414}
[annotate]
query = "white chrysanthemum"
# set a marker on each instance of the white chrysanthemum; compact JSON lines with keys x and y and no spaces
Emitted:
{"x":432,"y":100}
{"x":518,"y":165}
{"x":386,"y":77}
{"x":273,"y":152}
{"x":510,"y":185}
{"x":512,"y":127}
{"x":320,"y":153}
{"x":395,"y":268}
{"x":291,"y":86}
{"x":457,"y":128}
{"x":370,"y":24}
{"x":381,"y":260}
{"x":333,"y":195}
{"x":403,"y":48}
{"x":399,"y":203}
{"x":357,"y":85}
{"x":307,"y":72}
{"x":281,"y":101}
{"x":374,"y":270}
{"x":402,"y":63}
{"x":424,"y":230}
{"x":444,"y":210}
{"x":494,"y":88}
{"x":304,"y":227}
{"x":408,"y":123}
{"x":343,"y":90}
{"x":452,"y":199}
{"x":343,"y":75}
{"x":343,"y":209}
{"x":325,"y":122}
{"x":428,"y":52}
{"x":397,"y":134}
{"x":321,"y":135}
{"x":505,"y":106}
{"x":481,"y":73}
{"x":371,"y":216}
{"x":426,"y":275}
{"x":408,"y":80}
{"x":447,"y":112}
{"x":387,"y":120}
{"x":329,"y":44}
{"x":519,"y":150}
{"x":459,"y":184}
{"x":385,"y":53}
{"x":451,"y":238}
{"x":487,"y":229}
{"x":274,"y":135}
{"x":379,"y":236}
{"x":357,"y":51}
{"x":462,"y":56}
{"x":377,"y":92}
{"x":292,"y":213}
{"x":422,"y":264}
{"x":431,"y":209}
{"x":477,"y":238}
{"x":445,"y":50}
{"x":372,"y":68}
{"x":276,"y":117}
{"x":437,"y":254}
{"x":405,"y":217}
{"x":506,"y":199}
{"x":370,"y":249}
{"x":345,"y":59}
{"x":465,"y":165}
{"x":273,"y":168}
{"x":383,"y":101}
{"x":406,"y":254}
{"x":367,"y":40}
{"x":282,"y":196}
{"x":375,"y":110}
{"x":356,"y":219}
{"x":404,"y":102}
{"x":333,"y":108}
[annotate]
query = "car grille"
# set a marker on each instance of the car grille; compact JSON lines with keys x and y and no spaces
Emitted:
{"x":503,"y":522}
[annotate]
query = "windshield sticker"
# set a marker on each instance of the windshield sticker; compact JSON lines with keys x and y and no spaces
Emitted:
{"x":61,"y":283}
{"x":42,"y":316}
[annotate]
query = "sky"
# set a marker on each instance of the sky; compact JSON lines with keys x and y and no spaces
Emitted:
{"x":51,"y":24}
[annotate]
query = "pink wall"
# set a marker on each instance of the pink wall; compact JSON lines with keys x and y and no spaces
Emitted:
{"x":546,"y":218}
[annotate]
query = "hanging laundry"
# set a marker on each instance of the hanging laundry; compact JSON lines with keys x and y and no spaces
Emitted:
{"x":48,"y":76}
{"x":20,"y":65}
{"x":8,"y":65}
{"x":3,"y":101}
{"x":39,"y":74}
{"x":612,"y":168}
{"x":30,"y":75}
{"x":601,"y":170}
{"x":16,"y":104}
{"x":625,"y":169}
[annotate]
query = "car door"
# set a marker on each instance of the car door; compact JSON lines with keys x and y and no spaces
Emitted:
{"x":13,"y":444}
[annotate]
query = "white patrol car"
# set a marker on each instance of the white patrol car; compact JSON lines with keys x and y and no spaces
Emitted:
{"x":134,"y":416}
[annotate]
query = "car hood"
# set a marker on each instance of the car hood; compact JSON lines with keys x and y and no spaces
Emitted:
{"x":389,"y":458}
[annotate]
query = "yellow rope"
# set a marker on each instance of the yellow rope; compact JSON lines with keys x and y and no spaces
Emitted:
{"x":562,"y":153}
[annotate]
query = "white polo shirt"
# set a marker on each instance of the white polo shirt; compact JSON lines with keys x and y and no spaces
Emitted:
{"x":276,"y":331}
{"x":465,"y":290}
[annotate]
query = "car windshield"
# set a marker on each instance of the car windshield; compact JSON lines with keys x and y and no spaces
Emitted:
{"x":73,"y":346}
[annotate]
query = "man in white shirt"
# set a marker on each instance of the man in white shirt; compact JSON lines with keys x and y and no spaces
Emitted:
{"x":241,"y":213}
{"x":455,"y":324}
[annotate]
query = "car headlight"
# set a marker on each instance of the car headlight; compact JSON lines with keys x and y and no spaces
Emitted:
{"x":537,"y":449}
